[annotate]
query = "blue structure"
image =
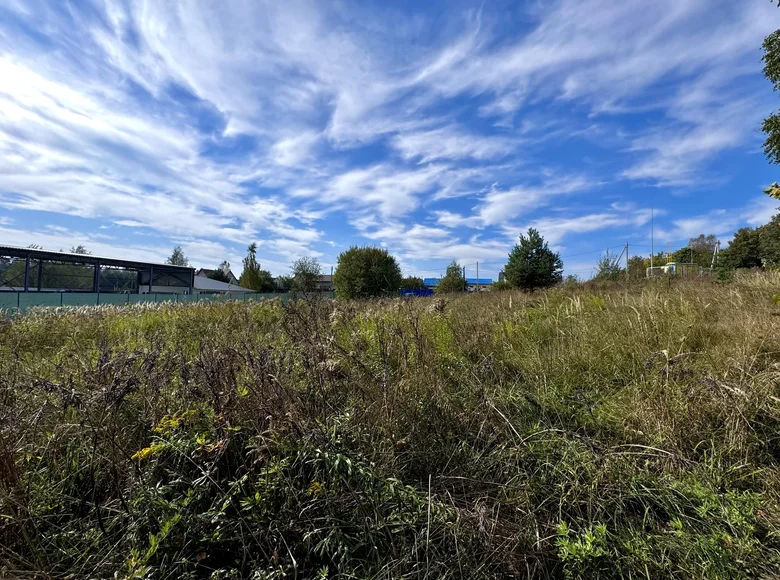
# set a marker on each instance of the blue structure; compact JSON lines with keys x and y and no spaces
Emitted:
{"x":419,"y":293}
{"x":472,"y":284}
{"x":433,"y":282}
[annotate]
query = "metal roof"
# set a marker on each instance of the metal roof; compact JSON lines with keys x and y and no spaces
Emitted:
{"x":469,"y":281}
{"x":34,"y":253}
{"x":203,"y":283}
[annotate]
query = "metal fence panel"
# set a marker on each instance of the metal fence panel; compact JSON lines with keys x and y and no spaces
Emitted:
{"x":138,"y":298}
{"x":26,"y":300}
{"x":86,"y":299}
{"x":8,"y":300}
{"x":35,"y":299}
{"x":113,"y":298}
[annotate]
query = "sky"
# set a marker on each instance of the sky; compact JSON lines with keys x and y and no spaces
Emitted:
{"x":440,"y":130}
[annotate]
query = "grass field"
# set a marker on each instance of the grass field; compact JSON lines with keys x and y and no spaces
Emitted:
{"x":586,"y":432}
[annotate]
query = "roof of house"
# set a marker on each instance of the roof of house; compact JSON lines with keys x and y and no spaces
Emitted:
{"x":469,"y":281}
{"x":203,"y":283}
{"x":210,"y":271}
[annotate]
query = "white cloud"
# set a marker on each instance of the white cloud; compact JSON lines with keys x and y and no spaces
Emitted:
{"x":555,"y":230}
{"x":291,"y":151}
{"x":499,"y":206}
{"x":450,"y":143}
{"x":721,"y":222}
{"x":241,"y":121}
{"x":677,"y":152}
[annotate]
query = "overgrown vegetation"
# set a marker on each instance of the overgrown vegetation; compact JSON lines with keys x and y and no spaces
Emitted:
{"x":591,"y":431}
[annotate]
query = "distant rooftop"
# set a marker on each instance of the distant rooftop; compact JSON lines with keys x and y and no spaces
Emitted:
{"x":469,"y":281}
{"x":210,"y":285}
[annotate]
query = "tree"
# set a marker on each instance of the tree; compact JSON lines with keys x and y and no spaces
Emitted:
{"x":267,"y":284}
{"x":532,"y":265}
{"x":636,"y":268}
{"x":771,"y":125}
{"x":79,"y":250}
{"x":178,"y":258}
{"x":365,"y":273}
{"x":769,"y":242}
{"x":253,"y":277}
{"x":699,"y":251}
{"x":702,"y":243}
{"x":744,"y":251}
{"x":608,"y":268}
{"x":219,"y":275}
{"x":701,"y":257}
{"x":305,"y":274}
{"x":773,"y":190}
{"x":283,"y":283}
{"x":412,"y":283}
{"x":453,"y":280}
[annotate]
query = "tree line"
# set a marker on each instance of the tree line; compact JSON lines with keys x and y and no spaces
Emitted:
{"x":368,"y":271}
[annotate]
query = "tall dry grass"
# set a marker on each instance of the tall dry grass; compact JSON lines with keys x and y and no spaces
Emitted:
{"x":597,"y":431}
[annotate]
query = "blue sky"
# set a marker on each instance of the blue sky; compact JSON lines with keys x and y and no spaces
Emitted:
{"x":441,"y":130}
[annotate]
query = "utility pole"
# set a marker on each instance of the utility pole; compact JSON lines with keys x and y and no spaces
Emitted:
{"x":652,"y":224}
{"x":628,"y":277}
{"x":464,"y":279}
{"x":477,"y":276}
{"x":715,"y":253}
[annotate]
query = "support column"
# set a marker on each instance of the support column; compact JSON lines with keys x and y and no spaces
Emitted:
{"x":96,"y":279}
{"x":151,"y":278}
{"x":40,"y":273}
{"x":27,"y":273}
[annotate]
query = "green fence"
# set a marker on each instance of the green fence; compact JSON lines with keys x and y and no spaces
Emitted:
{"x":21,"y":301}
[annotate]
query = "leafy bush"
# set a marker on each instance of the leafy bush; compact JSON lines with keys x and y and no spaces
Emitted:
{"x":366,"y":272}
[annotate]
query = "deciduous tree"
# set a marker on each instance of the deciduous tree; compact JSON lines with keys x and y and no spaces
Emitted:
{"x":412,"y":283}
{"x":771,"y":125}
{"x":608,"y":267}
{"x":305,"y":273}
{"x":366,"y":272}
{"x":453,"y":280}
{"x":744,"y":251}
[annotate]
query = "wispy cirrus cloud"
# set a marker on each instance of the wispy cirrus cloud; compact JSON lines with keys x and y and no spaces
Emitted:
{"x":292,"y":124}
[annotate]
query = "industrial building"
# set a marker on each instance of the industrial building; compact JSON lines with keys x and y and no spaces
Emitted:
{"x":35,"y":270}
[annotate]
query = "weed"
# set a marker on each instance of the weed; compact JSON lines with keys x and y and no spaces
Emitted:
{"x":591,"y":431}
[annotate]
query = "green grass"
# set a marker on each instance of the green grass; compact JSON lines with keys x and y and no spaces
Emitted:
{"x":592,"y":431}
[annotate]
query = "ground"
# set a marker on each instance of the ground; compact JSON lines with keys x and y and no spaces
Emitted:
{"x":591,"y":431}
